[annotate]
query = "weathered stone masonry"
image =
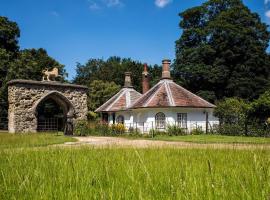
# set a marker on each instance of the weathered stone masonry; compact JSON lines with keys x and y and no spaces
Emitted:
{"x":25,"y":95}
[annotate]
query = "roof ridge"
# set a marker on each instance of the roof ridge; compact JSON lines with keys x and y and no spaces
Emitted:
{"x":168,"y":89}
{"x":120,"y":95}
{"x":194,"y":94}
{"x":153,"y":95}
{"x":142,"y":95}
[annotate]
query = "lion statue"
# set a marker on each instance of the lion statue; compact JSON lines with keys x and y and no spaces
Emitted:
{"x":50,"y":75}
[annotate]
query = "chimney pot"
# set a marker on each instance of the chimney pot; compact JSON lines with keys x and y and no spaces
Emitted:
{"x":166,"y":74}
{"x":128,"y":79}
{"x":145,"y":79}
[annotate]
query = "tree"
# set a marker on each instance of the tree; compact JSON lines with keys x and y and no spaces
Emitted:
{"x":100,"y":92}
{"x":113,"y":70}
{"x":231,"y":111}
{"x":222,"y":51}
{"x":260,"y":109}
{"x":9,"y":34}
{"x":19,"y":64}
{"x":31,"y":62}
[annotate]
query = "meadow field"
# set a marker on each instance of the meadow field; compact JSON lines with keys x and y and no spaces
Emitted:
{"x":38,"y":171}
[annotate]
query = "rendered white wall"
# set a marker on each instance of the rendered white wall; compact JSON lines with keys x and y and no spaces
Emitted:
{"x":145,"y":118}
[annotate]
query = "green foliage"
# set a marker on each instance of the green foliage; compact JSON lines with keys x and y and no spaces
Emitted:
{"x":175,"y":130}
{"x":113,"y":70}
{"x":23,"y":64}
{"x":197,"y":131}
{"x":118,"y":129}
{"x":92,"y":116}
{"x":222,"y":51}
{"x":99,"y":92}
{"x":234,"y":129}
{"x":260,"y":108}
{"x":9,"y":34}
{"x":231,"y":110}
{"x":82,"y":128}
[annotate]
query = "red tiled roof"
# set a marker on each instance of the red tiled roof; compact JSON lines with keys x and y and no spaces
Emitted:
{"x":121,"y":101}
{"x":167,"y":93}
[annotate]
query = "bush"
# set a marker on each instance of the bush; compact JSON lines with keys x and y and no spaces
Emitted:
{"x":118,"y":128}
{"x":103,"y":129}
{"x":81,"y":128}
{"x":230,"y":129}
{"x":92,"y":116}
{"x":175,"y":130}
{"x":197,"y":131}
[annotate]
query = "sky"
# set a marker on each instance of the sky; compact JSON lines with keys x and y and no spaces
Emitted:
{"x":76,"y":30}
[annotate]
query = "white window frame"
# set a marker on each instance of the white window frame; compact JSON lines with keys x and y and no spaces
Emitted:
{"x":160,"y":120}
{"x":182,"y":120}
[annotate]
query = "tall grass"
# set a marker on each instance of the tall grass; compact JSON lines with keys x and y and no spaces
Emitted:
{"x":215,"y":139}
{"x":113,"y":173}
{"x":20,"y":140}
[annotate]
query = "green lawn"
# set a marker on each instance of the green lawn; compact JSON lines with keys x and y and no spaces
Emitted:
{"x":128,"y":173}
{"x":111,"y":173}
{"x":31,"y":140}
{"x":215,"y":139}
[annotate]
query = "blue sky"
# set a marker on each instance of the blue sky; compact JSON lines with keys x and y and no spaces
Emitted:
{"x":75,"y":30}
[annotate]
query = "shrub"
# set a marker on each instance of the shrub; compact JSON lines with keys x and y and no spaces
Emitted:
{"x":197,"y":131}
{"x":118,"y":128}
{"x":81,"y":128}
{"x":92,"y":116}
{"x":103,"y":129}
{"x":175,"y":130}
{"x":230,"y":129}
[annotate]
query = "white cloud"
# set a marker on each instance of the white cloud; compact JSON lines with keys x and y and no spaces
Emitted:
{"x":99,"y":4}
{"x":94,"y":6}
{"x":112,"y":3}
{"x":267,"y":13}
{"x":163,"y":3}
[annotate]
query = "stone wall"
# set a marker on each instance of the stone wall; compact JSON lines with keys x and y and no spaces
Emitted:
{"x":25,"y":95}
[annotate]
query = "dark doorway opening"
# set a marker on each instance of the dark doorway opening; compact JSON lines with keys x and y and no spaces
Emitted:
{"x":50,"y":116}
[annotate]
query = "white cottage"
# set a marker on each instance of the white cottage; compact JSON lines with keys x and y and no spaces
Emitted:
{"x":166,"y":103}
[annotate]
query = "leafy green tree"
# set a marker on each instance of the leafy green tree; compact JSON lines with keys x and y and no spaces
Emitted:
{"x":231,"y":111}
{"x":113,"y":70}
{"x":260,"y":108}
{"x":222,"y":51}
{"x":31,"y":62}
{"x":9,"y":34}
{"x":100,"y":92}
{"x":19,"y":64}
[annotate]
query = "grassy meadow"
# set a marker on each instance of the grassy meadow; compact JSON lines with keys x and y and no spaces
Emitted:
{"x":208,"y":139}
{"x":32,"y":140}
{"x":130,"y":173}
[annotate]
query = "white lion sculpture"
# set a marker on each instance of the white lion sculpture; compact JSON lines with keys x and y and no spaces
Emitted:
{"x":50,"y":75}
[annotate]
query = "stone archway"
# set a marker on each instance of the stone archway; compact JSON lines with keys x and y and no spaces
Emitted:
{"x":25,"y":97}
{"x":61,"y":105}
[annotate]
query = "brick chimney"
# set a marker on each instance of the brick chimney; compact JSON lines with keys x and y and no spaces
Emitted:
{"x":166,"y":74}
{"x":128,"y":83}
{"x":145,"y":80}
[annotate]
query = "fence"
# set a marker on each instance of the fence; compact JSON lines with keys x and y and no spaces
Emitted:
{"x":145,"y":127}
{"x":48,"y":124}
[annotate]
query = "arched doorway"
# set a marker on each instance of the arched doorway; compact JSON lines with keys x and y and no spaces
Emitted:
{"x":50,"y":116}
{"x":54,"y":112}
